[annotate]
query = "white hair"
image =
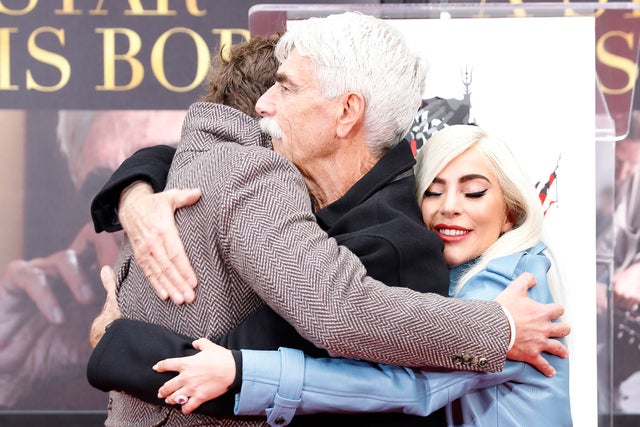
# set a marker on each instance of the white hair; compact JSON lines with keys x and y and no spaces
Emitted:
{"x":352,"y":52}
{"x":523,"y":203}
{"x":72,"y":131}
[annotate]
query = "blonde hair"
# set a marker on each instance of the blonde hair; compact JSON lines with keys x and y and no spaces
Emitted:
{"x":523,"y":203}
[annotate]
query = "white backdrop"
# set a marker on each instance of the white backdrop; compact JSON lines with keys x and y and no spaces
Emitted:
{"x":532,"y":85}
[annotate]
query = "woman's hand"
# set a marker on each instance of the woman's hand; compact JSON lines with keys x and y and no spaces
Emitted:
{"x":201,"y":377}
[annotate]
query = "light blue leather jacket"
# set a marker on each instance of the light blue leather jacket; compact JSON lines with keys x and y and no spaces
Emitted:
{"x":284,"y":383}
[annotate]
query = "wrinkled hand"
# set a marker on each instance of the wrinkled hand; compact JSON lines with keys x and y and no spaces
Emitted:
{"x":45,"y":307}
{"x":626,"y":286}
{"x":38,"y":278}
{"x":534,"y":327}
{"x":201,"y":377}
{"x":110,"y":311}
{"x":148,"y":219}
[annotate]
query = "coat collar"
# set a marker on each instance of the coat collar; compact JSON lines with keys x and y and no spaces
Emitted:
{"x":397,"y":163}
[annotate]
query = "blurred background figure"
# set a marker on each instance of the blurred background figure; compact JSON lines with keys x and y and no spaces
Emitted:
{"x":47,"y":303}
{"x":619,"y":314}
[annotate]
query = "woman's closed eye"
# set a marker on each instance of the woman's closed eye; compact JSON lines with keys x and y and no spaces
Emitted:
{"x":476,"y":194}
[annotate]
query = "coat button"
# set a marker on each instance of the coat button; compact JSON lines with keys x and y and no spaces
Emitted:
{"x":110,"y":404}
{"x":279,"y":421}
{"x":457,"y":360}
{"x":482,"y":362}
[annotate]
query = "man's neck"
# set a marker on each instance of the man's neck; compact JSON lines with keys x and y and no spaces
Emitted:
{"x":330,"y":179}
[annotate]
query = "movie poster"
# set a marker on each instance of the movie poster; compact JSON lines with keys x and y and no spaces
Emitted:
{"x":85,"y":83}
{"x":618,"y":277}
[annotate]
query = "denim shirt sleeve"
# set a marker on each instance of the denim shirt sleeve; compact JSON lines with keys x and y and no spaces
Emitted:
{"x":344,"y":385}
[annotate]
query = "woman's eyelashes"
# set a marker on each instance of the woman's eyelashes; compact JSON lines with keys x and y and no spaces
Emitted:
{"x":476,"y":194}
{"x":471,"y":194}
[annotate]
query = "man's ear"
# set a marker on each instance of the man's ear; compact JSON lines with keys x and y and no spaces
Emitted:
{"x":351,"y":115}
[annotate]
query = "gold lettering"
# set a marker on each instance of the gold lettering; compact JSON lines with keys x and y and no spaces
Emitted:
{"x":519,"y":13}
{"x":5,"y":59}
{"x":481,"y":13}
{"x":98,"y":11}
{"x":635,"y":13}
{"x":571,"y":12}
{"x":162,"y":9}
{"x":13,"y":12}
{"x":157,"y":59}
{"x":68,"y":8}
{"x":110,"y":58}
{"x":50,"y":58}
{"x":618,"y":62}
{"x":226,"y":38}
{"x":193,"y":9}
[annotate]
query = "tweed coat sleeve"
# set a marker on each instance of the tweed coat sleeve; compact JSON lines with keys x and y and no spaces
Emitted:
{"x":270,"y":237}
{"x":327,"y":385}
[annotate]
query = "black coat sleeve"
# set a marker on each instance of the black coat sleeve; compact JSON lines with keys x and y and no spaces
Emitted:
{"x":266,"y":330}
{"x":123,"y":360}
{"x":149,"y":164}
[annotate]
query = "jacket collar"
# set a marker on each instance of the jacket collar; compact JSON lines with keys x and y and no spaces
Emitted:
{"x":395,"y":164}
{"x":224,"y":123}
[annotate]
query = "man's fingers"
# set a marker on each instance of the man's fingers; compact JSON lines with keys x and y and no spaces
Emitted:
{"x":555,"y":311}
{"x":541,"y":364}
{"x":181,"y":197}
{"x":179,"y":275}
{"x":177,"y":255}
{"x":524,"y":282}
{"x":170,"y":275}
{"x":163,"y":282}
{"x":148,"y":262}
{"x":40,"y":292}
{"x":108,"y":278}
{"x":110,"y":310}
{"x":556,"y":348}
{"x":22,"y":277}
{"x":168,"y":279}
{"x":515,"y":291}
{"x":180,"y":263}
{"x":559,"y":330}
{"x":149,"y":221}
{"x":66,"y":266}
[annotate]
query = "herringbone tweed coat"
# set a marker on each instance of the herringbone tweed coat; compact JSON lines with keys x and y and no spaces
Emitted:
{"x":253,"y":237}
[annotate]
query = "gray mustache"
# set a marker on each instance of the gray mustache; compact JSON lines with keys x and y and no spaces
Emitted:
{"x":270,"y":127}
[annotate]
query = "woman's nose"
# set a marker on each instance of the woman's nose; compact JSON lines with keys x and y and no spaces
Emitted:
{"x":449,"y":204}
